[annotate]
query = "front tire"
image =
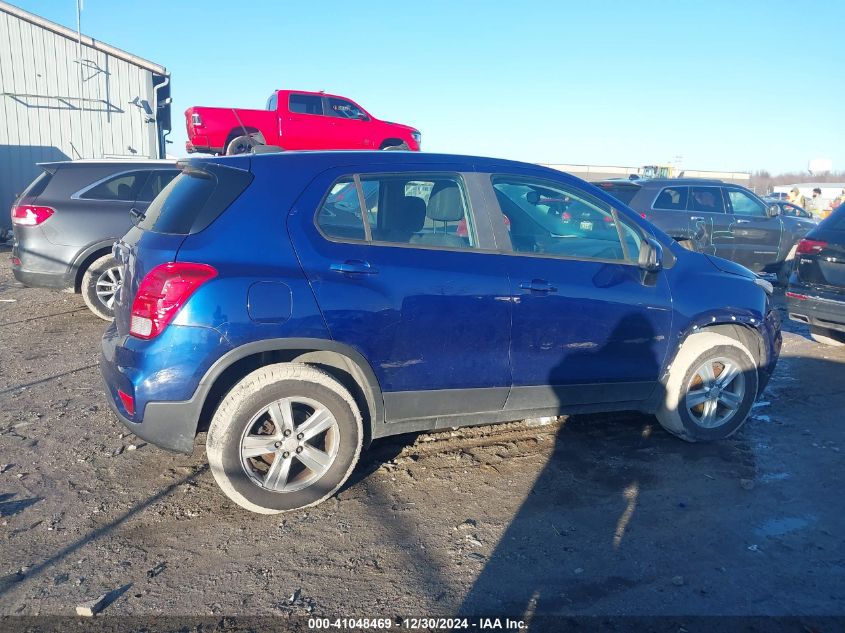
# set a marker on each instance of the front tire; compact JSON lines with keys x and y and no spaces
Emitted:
{"x":711,"y":387}
{"x":100,"y":285}
{"x":827,"y":337}
{"x":286,"y":437}
{"x":401,"y":147}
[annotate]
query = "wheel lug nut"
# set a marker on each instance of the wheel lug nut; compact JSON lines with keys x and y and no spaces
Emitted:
{"x":285,"y":454}
{"x":277,"y":444}
{"x":298,"y":450}
{"x":287,"y":433}
{"x":300,"y":436}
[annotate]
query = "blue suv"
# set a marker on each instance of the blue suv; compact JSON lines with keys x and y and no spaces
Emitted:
{"x":299,"y":305}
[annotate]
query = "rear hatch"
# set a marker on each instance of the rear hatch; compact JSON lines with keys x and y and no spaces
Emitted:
{"x":187,"y":205}
{"x":622,"y":190}
{"x":821,"y":254}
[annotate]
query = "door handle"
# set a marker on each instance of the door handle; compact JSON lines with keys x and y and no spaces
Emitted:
{"x":697,"y":217}
{"x":353,"y":267}
{"x":743,"y":221}
{"x":538,"y":285}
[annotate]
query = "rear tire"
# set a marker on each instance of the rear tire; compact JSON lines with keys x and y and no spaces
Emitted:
{"x":827,"y":337}
{"x":783,"y":273}
{"x":262,"y":445}
{"x":241,"y":145}
{"x":100,"y":285}
{"x":723,"y":408}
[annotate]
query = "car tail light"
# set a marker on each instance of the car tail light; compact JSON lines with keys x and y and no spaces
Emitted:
{"x":196,"y":120}
{"x":128,"y":401}
{"x":810,"y":247}
{"x":28,"y":215}
{"x":795,"y":295}
{"x":162,"y":293}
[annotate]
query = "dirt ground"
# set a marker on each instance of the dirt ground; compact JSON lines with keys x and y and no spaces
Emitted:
{"x":592,"y":515}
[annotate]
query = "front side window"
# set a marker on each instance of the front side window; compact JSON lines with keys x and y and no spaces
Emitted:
{"x":123,"y":187}
{"x":345,"y":109}
{"x":547,"y":218}
{"x":706,"y":200}
{"x":305,"y":104}
{"x":412,"y":209}
{"x":744,"y":204}
{"x":672,"y":198}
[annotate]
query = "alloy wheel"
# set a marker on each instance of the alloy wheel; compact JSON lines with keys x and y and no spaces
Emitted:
{"x":715,"y":392}
{"x":107,"y":286}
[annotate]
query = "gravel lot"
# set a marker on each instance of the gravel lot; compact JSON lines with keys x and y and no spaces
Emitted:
{"x":591,"y":515}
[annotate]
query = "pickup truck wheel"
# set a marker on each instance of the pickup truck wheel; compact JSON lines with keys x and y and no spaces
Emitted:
{"x":827,"y":337}
{"x":286,"y":437}
{"x":711,"y":387}
{"x":100,"y":285}
{"x":240,"y":145}
{"x":401,"y":147}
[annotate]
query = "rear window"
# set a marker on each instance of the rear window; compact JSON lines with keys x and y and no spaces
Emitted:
{"x":194,"y":199}
{"x":622,"y":192}
{"x":37,"y":186}
{"x":836,"y":221}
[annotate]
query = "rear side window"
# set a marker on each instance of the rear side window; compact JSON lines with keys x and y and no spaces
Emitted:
{"x":194,"y":199}
{"x":340,"y":215}
{"x":622,"y":192}
{"x":305,"y":104}
{"x":123,"y":187}
{"x":273,"y":101}
{"x":413,"y":209}
{"x":672,"y":198}
{"x":156,"y":181}
{"x":706,"y":200}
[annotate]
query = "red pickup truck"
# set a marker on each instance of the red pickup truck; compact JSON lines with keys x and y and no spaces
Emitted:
{"x":294,"y":119}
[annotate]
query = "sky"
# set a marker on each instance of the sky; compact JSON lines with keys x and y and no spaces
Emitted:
{"x":714,"y":84}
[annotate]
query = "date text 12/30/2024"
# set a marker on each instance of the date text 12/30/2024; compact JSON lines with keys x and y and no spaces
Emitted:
{"x":413,"y":624}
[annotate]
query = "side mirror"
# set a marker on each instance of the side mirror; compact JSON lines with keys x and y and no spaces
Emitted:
{"x":773,"y":211}
{"x":651,"y":256}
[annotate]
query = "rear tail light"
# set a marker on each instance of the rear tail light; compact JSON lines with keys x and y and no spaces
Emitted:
{"x":162,"y":293}
{"x":196,"y":120}
{"x":128,"y":401}
{"x":810,"y":247}
{"x":28,"y":215}
{"x":795,"y":295}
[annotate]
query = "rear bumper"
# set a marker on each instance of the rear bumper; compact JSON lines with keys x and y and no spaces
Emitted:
{"x":163,"y":376}
{"x":32,"y":279}
{"x":169,"y":425}
{"x":820,"y":309}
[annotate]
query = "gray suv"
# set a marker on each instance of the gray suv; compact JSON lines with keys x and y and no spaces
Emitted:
{"x":67,"y":220}
{"x":717,"y":218}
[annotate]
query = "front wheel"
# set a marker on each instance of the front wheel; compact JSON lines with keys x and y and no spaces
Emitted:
{"x":100,"y":285}
{"x":286,"y":437}
{"x":402,"y":147}
{"x":711,"y":387}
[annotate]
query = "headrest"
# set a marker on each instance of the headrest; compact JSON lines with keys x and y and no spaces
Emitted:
{"x":408,"y":216}
{"x":445,"y":203}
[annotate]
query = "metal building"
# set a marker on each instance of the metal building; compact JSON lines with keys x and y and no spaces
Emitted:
{"x":64,"y":96}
